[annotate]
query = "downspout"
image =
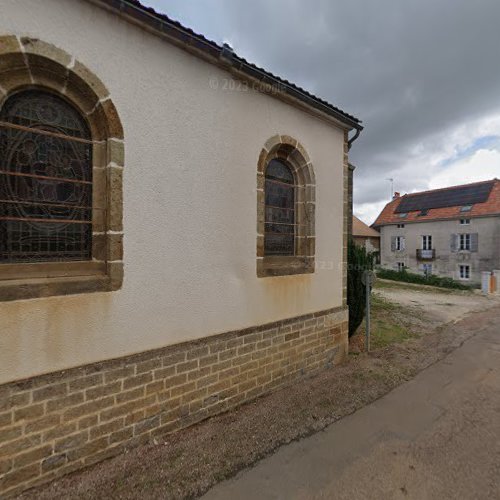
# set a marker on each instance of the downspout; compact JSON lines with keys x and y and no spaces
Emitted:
{"x":354,"y":137}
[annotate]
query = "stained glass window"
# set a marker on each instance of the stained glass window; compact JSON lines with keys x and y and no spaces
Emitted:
{"x":279,"y":210}
{"x":45,"y":180}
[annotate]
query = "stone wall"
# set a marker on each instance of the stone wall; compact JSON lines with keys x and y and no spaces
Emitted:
{"x":57,"y":423}
{"x":447,"y":261}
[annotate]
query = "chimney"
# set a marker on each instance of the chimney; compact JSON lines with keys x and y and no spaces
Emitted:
{"x":397,"y":194}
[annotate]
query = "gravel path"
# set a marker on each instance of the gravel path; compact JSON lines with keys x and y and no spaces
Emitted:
{"x":443,"y":305}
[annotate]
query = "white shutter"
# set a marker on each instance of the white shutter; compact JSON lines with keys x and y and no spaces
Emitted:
{"x":403,"y":243}
{"x":474,"y":242}
{"x":454,"y":242}
{"x":393,"y":243}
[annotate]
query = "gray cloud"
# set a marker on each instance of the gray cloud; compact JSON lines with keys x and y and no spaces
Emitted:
{"x":411,"y":70}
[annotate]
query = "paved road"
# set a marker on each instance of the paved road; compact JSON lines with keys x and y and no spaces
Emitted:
{"x":435,"y":437}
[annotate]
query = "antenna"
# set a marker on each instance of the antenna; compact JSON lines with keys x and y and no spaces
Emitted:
{"x":391,"y":180}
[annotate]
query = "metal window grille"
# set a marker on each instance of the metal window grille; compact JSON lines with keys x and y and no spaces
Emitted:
{"x":45,"y":180}
{"x":279,"y":236}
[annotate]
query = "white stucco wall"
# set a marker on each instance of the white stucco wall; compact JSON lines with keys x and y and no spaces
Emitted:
{"x":190,"y":202}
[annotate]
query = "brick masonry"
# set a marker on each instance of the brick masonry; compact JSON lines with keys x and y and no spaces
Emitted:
{"x":57,"y":423}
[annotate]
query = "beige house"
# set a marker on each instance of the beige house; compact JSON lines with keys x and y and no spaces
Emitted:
{"x":173,"y":232}
{"x":452,"y":232}
{"x":365,"y":236}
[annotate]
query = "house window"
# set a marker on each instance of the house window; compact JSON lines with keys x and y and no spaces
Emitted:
{"x":399,"y":243}
{"x":464,"y":271}
{"x":403,"y":215}
{"x":427,"y":242}
{"x":401,"y":266}
{"x":45,"y":180}
{"x":466,"y":208}
{"x":401,"y":226}
{"x":464,"y":222}
{"x":279,"y":236}
{"x":464,"y":242}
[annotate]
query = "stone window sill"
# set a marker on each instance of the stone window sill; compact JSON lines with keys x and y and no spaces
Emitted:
{"x":284,"y":266}
{"x":29,"y":281}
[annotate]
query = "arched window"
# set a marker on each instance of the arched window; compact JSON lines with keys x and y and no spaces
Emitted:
{"x":279,"y":236}
{"x":62,"y":156}
{"x":286,"y":200}
{"x":45,"y":180}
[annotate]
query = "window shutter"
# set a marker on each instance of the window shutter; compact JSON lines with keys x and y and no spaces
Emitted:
{"x":403,"y":243}
{"x":393,"y":243}
{"x":474,"y":242}
{"x":454,"y":242}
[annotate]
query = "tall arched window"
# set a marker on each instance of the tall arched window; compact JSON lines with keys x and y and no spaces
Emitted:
{"x":45,"y":180}
{"x":286,"y":201}
{"x":279,"y":236}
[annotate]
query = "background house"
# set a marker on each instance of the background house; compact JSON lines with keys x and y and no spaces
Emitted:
{"x":164,"y":206}
{"x":365,"y":236}
{"x":453,"y":232}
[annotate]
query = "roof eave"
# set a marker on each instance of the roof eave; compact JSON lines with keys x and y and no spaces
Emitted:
{"x":437,"y":219}
{"x":239,"y":67}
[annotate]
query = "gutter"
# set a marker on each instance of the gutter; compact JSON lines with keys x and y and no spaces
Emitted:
{"x":354,"y":137}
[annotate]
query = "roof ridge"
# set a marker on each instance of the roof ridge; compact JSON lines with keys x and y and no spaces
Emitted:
{"x":494,"y":180}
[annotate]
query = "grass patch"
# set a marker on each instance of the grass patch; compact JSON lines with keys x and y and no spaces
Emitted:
{"x":385,"y":333}
{"x":398,"y":285}
{"x":390,"y":322}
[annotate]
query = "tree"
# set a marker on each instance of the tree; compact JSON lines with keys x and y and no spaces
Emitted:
{"x":358,"y":261}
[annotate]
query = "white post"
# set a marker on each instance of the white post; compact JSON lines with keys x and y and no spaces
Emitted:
{"x":497,"y":279}
{"x":485,"y":282}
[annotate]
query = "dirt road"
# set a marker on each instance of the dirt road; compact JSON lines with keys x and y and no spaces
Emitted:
{"x":444,"y":305}
{"x":436,"y":436}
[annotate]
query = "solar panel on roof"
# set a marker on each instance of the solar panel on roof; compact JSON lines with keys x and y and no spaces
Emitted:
{"x":459,"y":196}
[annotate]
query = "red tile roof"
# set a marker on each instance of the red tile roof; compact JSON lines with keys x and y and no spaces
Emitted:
{"x":491,"y":206}
{"x":359,"y":228}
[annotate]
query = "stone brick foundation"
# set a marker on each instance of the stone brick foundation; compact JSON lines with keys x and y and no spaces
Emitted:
{"x":53,"y":424}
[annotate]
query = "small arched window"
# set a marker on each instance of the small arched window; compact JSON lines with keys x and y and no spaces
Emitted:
{"x":279,"y":236}
{"x":45,"y":180}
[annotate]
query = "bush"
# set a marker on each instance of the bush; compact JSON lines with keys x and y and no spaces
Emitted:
{"x":431,"y":279}
{"x":358,"y":261}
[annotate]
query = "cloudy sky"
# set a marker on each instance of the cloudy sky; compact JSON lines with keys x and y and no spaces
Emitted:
{"x":422,"y":75}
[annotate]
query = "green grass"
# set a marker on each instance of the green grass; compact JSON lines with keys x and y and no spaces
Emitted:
{"x":420,"y":279}
{"x":398,"y":285}
{"x":385,"y":333}
{"x":387,"y":323}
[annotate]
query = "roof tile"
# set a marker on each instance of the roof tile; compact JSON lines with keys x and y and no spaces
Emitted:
{"x":491,"y":206}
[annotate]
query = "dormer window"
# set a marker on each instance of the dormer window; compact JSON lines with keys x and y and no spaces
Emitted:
{"x":403,"y":216}
{"x":466,"y":208}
